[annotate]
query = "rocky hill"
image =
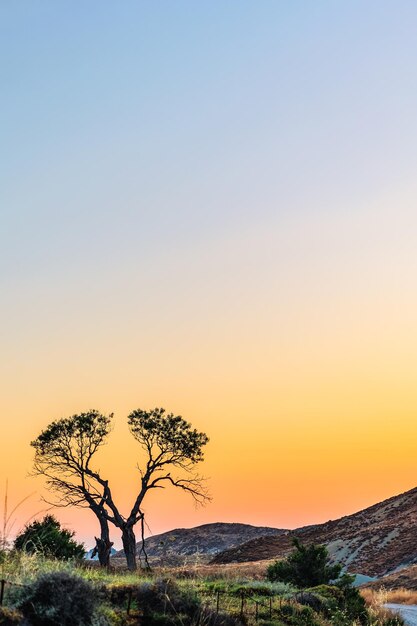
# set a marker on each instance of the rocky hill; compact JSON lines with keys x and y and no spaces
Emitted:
{"x":199,"y":544}
{"x":403,"y":578}
{"x":373,"y":542}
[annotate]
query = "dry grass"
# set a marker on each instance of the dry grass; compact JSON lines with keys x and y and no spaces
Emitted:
{"x":230,"y":571}
{"x":378,"y":616}
{"x":379,"y":597}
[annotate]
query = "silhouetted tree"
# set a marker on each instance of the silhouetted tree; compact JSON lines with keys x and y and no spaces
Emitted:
{"x":50,"y":539}
{"x":306,"y":566}
{"x":170,"y":448}
{"x":64,"y":452}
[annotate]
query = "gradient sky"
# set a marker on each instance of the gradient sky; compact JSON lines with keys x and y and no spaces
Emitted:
{"x":212,"y":207}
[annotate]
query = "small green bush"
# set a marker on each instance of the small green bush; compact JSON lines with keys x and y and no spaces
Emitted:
{"x":47,"y":537}
{"x":107,"y":616}
{"x":58,"y":599}
{"x":342,"y":603}
{"x":305,"y":566}
{"x":294,"y":615}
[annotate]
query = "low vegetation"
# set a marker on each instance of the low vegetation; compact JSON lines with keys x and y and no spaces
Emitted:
{"x":56,"y":592}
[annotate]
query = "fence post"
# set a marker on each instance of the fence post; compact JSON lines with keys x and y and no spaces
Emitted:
{"x":218,"y":602}
{"x":129,"y":601}
{"x":2,"y":585}
{"x":242,"y":604}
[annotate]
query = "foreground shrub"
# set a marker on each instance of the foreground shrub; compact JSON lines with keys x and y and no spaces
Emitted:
{"x":341,"y":603}
{"x":293,"y":615}
{"x":165,"y":598}
{"x":58,"y":599}
{"x":164,"y":603}
{"x":107,"y":616}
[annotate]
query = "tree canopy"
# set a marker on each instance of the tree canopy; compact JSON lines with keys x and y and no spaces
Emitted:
{"x":169,"y":442}
{"x":64,"y":453}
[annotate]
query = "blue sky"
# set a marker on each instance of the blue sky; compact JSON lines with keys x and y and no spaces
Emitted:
{"x":135,"y":123}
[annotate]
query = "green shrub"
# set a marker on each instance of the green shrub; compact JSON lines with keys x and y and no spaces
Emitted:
{"x":47,"y":537}
{"x":107,"y":616}
{"x":294,"y":615}
{"x":58,"y":599}
{"x":164,"y":603}
{"x":342,"y":603}
{"x":306,"y":566}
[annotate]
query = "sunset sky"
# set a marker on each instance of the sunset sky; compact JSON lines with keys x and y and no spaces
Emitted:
{"x":212,"y":207}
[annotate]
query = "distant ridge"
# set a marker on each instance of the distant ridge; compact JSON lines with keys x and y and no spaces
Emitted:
{"x":375,"y":541}
{"x":201,"y":543}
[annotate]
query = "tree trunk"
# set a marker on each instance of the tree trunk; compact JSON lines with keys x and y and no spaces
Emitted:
{"x":129,"y":547}
{"x":103,"y":544}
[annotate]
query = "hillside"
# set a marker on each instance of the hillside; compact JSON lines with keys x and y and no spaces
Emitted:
{"x":201,"y":543}
{"x":373,"y":542}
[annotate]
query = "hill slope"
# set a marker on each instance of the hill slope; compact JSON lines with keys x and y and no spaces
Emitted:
{"x":373,"y":542}
{"x":404,"y":578}
{"x":200,"y":543}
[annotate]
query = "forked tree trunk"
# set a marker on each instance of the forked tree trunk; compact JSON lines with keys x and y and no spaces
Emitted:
{"x":129,"y":547}
{"x":103,"y":544}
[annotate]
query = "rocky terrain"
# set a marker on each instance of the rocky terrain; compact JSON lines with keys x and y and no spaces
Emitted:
{"x":403,"y":578}
{"x":373,"y":542}
{"x":200,"y":544}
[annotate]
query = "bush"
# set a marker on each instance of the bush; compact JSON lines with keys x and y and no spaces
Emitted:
{"x":342,"y":602}
{"x":313,"y":600}
{"x":106,"y":616}
{"x":165,"y":598}
{"x":164,"y":603}
{"x":306,"y":566}
{"x":49,"y":539}
{"x":58,"y":599}
{"x":294,"y":615}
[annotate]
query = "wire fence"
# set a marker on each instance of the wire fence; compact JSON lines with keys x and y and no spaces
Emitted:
{"x":245,"y":604}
